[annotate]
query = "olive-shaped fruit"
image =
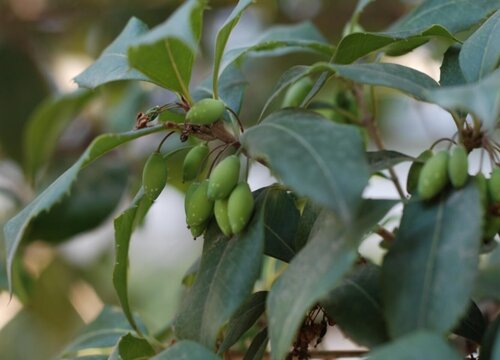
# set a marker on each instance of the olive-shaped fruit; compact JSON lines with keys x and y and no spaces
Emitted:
{"x":221,"y":216}
{"x":494,"y":185}
{"x":189,"y":194}
{"x":482,"y":185}
{"x":433,"y":176}
{"x":240,"y":207}
{"x":415,"y":169}
{"x":154,"y":175}
{"x":193,"y":161}
{"x":198,"y":230}
{"x":297,"y":92}
{"x":205,"y":112}
{"x":224,"y":178}
{"x":199,"y":207}
{"x":458,"y":167}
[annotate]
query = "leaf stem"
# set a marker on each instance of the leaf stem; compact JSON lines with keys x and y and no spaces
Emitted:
{"x":185,"y":90}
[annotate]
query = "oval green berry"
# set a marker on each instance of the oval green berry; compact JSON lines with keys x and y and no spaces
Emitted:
{"x":458,"y":167}
{"x":199,"y":207}
{"x":154,"y":175}
{"x":297,"y":92}
{"x":240,"y":207}
{"x":205,"y":112}
{"x":494,"y":185}
{"x":189,"y":194}
{"x":221,"y":216}
{"x":193,"y":161}
{"x":415,"y":169}
{"x":434,"y":176}
{"x":224,"y":178}
{"x":198,"y":230}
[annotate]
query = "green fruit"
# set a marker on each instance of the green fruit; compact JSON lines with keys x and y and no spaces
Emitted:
{"x":240,"y":207}
{"x":458,"y":167}
{"x":189,"y":194}
{"x":205,"y":112}
{"x":199,"y":207}
{"x":224,"y":178}
{"x":221,"y":216}
{"x":154,"y":175}
{"x":482,"y":185}
{"x":415,"y":169}
{"x":494,"y":185}
{"x":433,"y":176}
{"x":297,"y":92}
{"x":193,"y":161}
{"x":198,"y":230}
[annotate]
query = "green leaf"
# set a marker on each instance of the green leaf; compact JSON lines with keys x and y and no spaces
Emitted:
{"x":125,"y":225}
{"x":228,"y":271}
{"x":15,"y":229}
{"x":93,"y":198}
{"x":323,"y":161}
{"x":130,"y":347}
{"x":306,"y":222}
{"x":186,"y":350}
{"x":23,"y":87}
{"x":442,"y":245}
{"x":222,"y":38}
{"x":473,"y":325}
{"x":384,"y":159}
{"x":102,"y":333}
{"x":419,"y":345}
{"x":490,"y":349}
{"x":356,"y":307}
{"x":113,"y":64}
{"x":451,"y":74}
{"x":46,"y":125}
{"x":166,"y":53}
{"x":480,"y":99}
{"x":487,"y":284}
{"x":257,"y":348}
{"x":243,"y":319}
{"x":281,"y":218}
{"x":282,"y":40}
{"x":316,"y":270}
{"x":480,"y":54}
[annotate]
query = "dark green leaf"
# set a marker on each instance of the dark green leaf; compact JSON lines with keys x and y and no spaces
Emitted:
{"x":419,"y":345}
{"x":23,"y":88}
{"x":281,"y":217}
{"x":228,"y":270}
{"x":222,"y":38}
{"x":316,"y":270}
{"x":16,"y":228}
{"x":91,"y":201}
{"x":186,"y":350}
{"x":322,"y":160}
{"x":46,"y":125}
{"x":487,"y":284}
{"x":282,"y":40}
{"x":384,"y":159}
{"x":473,"y":325}
{"x":124,"y":225}
{"x":490,"y":349}
{"x":166,"y":53}
{"x":104,"y":332}
{"x":356,"y":306}
{"x":451,"y":74}
{"x":243,"y":319}
{"x":257,"y":348}
{"x":480,"y":54}
{"x":130,"y":347}
{"x":306,"y":222}
{"x":442,"y":245}
{"x":113,"y":65}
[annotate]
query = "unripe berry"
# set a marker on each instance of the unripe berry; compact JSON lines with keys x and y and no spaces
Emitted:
{"x":205,"y":112}
{"x":199,"y":207}
{"x":494,"y":185}
{"x":434,"y":176}
{"x":297,"y":92}
{"x":415,"y":169}
{"x":224,"y":178}
{"x":240,"y":207}
{"x":154,"y":175}
{"x":193,"y":161}
{"x":458,"y":167}
{"x":197,"y":230}
{"x":221,"y":216}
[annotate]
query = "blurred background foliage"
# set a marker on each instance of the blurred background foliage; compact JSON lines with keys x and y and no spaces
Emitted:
{"x":63,"y":278}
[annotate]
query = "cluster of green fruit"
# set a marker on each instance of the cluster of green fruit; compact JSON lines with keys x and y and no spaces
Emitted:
{"x":221,"y":195}
{"x":431,"y":173}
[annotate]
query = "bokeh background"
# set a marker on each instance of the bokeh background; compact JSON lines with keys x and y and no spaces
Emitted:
{"x":64,"y":282}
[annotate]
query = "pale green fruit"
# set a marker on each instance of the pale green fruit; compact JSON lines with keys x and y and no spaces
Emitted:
{"x":434,"y":176}
{"x":193,"y":161}
{"x":221,"y":216}
{"x":415,"y":169}
{"x":199,"y":207}
{"x":297,"y":92}
{"x":240,"y":207}
{"x":205,"y":112}
{"x":458,"y":167}
{"x":154,"y":175}
{"x":224,"y":178}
